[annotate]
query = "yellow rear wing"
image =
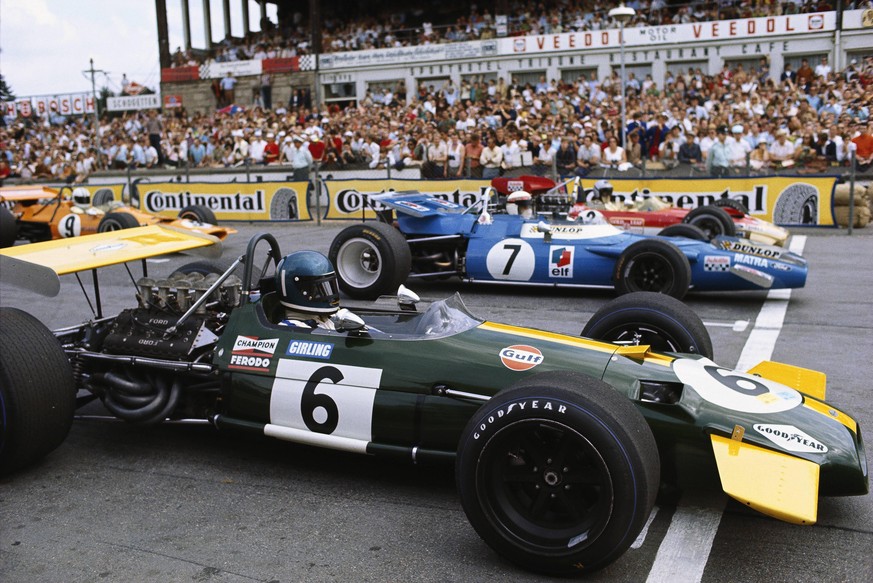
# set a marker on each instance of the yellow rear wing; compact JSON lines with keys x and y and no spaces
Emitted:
{"x":38,"y":266}
{"x":21,"y":193}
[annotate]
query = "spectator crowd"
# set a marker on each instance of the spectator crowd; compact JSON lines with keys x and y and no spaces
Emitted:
{"x":805,"y":120}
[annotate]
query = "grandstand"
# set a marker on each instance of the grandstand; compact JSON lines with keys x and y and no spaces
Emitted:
{"x":386,"y":85}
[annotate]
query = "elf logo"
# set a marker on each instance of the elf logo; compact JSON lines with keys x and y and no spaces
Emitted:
{"x":520,"y":357}
{"x":561,"y":261}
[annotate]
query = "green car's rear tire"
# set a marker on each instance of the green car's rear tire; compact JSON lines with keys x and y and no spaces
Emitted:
{"x":116,"y":222}
{"x":663,"y":322}
{"x":558,"y":474}
{"x":653,"y":265}
{"x":37,"y":401}
{"x":8,"y":228}
{"x":371,"y":260}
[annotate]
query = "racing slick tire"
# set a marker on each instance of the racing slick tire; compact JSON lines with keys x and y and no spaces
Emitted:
{"x":662,"y":322}
{"x":558,"y":474}
{"x":712,"y":220}
{"x":8,"y":228}
{"x":199,"y":213}
{"x":116,"y":222}
{"x":36,"y":402}
{"x":684,"y":230}
{"x":731,"y":203}
{"x":370,"y":259}
{"x":653,"y":265}
{"x":103,"y":197}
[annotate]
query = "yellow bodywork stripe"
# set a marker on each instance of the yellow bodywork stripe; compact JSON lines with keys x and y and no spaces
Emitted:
{"x":773,"y":483}
{"x":635,"y":352}
{"x":807,"y":381}
{"x":831,"y":412}
{"x":549,"y":336}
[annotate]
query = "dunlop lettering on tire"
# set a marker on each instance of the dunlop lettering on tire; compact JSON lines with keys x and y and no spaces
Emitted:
{"x":798,"y":205}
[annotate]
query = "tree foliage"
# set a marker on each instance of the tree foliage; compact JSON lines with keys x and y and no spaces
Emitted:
{"x":6,"y":93}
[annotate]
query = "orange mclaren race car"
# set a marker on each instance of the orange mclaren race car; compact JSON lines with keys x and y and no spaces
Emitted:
{"x":39,"y":213}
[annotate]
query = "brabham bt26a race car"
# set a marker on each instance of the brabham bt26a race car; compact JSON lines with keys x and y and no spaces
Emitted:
{"x":559,"y":442}
{"x":38,"y":213}
{"x":646,"y":214}
{"x":438,"y":238}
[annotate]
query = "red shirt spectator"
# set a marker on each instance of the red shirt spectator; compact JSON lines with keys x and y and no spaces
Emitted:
{"x":316,"y":148}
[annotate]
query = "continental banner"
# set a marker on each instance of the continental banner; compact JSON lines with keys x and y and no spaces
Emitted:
{"x":235,"y":201}
{"x":784,"y":200}
{"x":349,"y":198}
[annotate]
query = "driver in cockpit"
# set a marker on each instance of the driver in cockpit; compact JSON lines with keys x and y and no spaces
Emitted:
{"x":520,"y":203}
{"x":307,"y":286}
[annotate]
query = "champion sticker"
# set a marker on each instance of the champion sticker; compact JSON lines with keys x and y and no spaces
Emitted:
{"x":716,"y":263}
{"x":253,"y":353}
{"x":311,"y":349}
{"x":254,"y":345}
{"x":790,"y":438}
{"x":520,"y":357}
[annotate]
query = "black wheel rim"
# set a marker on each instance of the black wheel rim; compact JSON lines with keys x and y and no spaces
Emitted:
{"x":710,"y":226}
{"x":649,"y":272}
{"x":636,"y":334}
{"x":545,"y":487}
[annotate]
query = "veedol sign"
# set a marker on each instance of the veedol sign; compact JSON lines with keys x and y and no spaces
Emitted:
{"x":674,"y":34}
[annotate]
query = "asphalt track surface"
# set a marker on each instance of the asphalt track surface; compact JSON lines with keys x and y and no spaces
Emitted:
{"x":188,"y":503}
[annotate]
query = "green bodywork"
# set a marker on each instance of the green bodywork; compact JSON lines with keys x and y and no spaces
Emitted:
{"x":401,"y":405}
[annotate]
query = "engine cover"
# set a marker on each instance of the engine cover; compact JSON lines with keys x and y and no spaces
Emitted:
{"x":140,"y":332}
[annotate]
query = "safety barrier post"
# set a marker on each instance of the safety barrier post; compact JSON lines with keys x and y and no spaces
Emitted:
{"x":316,"y":191}
{"x":852,"y":148}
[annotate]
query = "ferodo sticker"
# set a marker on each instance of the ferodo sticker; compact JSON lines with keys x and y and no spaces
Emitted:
{"x":253,"y":353}
{"x":520,"y":357}
{"x":733,"y":390}
{"x":790,"y":438}
{"x":716,"y":263}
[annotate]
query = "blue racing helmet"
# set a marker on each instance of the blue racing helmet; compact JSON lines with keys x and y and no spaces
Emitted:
{"x":306,"y":281}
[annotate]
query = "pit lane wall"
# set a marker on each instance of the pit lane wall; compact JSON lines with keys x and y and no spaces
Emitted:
{"x":785,"y":200}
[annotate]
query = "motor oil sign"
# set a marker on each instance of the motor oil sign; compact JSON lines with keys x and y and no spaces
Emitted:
{"x":561,"y":261}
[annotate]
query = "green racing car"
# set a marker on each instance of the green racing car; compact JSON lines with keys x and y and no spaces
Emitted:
{"x":560,"y":443}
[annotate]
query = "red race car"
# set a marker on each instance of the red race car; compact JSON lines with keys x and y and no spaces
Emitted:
{"x":648,"y":216}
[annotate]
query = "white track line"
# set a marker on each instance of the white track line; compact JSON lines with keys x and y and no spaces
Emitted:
{"x":684,"y":552}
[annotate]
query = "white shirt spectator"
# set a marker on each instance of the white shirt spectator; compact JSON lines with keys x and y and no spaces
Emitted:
{"x":257,"y":150}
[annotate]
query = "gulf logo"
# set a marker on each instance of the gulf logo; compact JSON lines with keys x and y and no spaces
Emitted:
{"x":520,"y":357}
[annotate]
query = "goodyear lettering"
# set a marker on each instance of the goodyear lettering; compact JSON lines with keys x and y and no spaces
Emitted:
{"x":516,"y":407}
{"x":791,"y":438}
{"x":311,"y":349}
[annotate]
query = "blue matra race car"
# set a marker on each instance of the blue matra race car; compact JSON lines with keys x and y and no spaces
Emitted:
{"x":438,"y":238}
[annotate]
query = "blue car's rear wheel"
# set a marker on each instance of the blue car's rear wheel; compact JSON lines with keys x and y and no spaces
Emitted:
{"x":558,"y":474}
{"x":662,"y":322}
{"x":653,"y":265}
